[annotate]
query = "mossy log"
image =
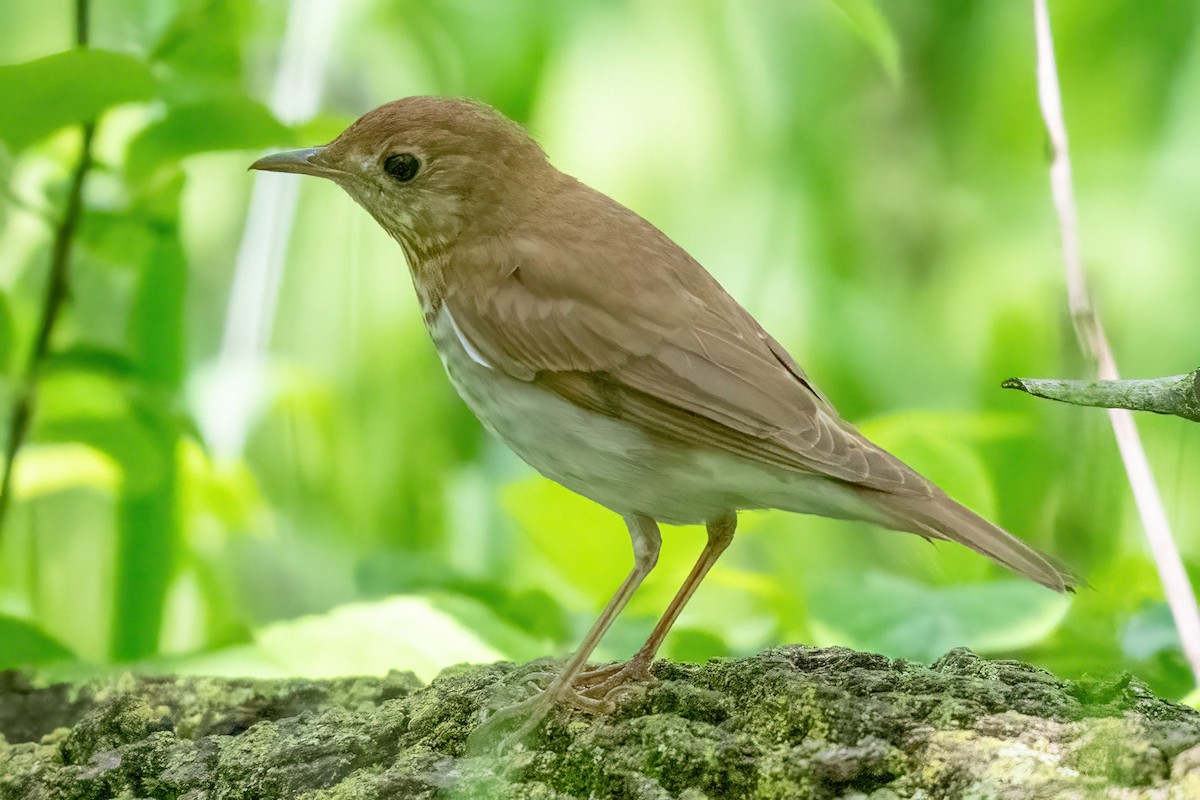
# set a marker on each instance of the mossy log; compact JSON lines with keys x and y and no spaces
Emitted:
{"x":793,"y":722}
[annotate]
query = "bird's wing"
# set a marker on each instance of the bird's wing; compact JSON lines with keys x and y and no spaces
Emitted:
{"x":664,"y":347}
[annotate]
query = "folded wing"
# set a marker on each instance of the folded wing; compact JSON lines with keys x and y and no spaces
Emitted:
{"x":696,"y":369}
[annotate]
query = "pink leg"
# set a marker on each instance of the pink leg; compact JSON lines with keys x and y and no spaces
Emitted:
{"x":599,"y":684}
{"x":646,"y":543}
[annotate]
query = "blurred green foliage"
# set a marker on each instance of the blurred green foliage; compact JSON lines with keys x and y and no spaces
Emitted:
{"x":868,"y":179}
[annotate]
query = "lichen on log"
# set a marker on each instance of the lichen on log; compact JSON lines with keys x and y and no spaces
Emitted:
{"x":791,"y":722}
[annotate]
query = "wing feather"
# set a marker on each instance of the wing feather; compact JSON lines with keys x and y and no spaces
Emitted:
{"x":697,"y":369}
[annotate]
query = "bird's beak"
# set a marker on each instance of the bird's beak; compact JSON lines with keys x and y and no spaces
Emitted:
{"x":303,"y":162}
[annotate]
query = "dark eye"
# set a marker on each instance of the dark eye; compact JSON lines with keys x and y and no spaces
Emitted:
{"x":402,"y":166}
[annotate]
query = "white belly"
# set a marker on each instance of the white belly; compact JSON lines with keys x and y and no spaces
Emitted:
{"x":617,"y":464}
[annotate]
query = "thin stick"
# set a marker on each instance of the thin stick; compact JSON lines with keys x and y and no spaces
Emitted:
{"x":57,"y":288}
{"x":1093,"y":342}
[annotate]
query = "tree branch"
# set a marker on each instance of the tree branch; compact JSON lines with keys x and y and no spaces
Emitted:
{"x":1177,"y":394}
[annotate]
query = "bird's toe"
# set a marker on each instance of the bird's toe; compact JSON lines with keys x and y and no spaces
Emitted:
{"x":607,"y":683}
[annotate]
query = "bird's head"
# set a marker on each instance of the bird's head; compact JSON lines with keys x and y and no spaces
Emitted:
{"x":429,"y":167}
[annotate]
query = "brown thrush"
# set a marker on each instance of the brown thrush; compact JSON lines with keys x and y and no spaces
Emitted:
{"x":611,"y":361}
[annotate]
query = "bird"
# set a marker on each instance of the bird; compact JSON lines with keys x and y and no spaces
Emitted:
{"x":613,"y":363}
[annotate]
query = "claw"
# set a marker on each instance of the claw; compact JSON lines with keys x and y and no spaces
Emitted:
{"x":532,"y":711}
{"x":594,"y":676}
{"x":593,"y":692}
{"x":608,"y":681}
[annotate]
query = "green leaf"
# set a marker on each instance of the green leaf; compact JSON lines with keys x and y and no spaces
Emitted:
{"x":67,"y":88}
{"x":1150,"y":631}
{"x":93,"y":359}
{"x":321,"y":129}
{"x":24,"y":644}
{"x":407,"y":633}
{"x":696,"y":645}
{"x":584,"y":542}
{"x":6,"y":171}
{"x":586,"y":548}
{"x":156,"y":318}
{"x":493,"y":629}
{"x":144,"y":563}
{"x":124,"y":238}
{"x":228,"y":123}
{"x":394,"y":571}
{"x":44,"y":469}
{"x":536,"y":612}
{"x":226,"y":490}
{"x":873,"y":28}
{"x":943,"y":446}
{"x":96,"y":411}
{"x":901,"y":618}
{"x":202,"y":46}
{"x":148,"y":398}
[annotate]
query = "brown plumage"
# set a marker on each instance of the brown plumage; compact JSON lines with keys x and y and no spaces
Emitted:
{"x":610,"y":360}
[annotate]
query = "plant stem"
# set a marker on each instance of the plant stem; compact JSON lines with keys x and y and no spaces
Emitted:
{"x":57,"y":287}
{"x":1094,"y":343}
{"x":82,"y":12}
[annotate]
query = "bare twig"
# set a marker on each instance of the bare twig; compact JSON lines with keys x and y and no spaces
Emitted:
{"x":1094,"y":344}
{"x":1177,"y":394}
{"x":56,"y":292}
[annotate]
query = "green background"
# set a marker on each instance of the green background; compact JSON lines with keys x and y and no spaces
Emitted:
{"x":870,"y":181}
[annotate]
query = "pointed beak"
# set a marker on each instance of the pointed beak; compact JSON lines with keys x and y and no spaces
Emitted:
{"x":303,"y":162}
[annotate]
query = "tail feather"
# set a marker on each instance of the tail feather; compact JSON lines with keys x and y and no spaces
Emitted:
{"x":940,"y":517}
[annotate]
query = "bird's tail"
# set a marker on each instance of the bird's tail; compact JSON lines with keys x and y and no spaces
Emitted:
{"x":940,"y":517}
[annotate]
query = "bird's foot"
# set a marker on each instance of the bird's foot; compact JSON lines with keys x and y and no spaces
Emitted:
{"x":604,"y":683}
{"x":591,"y":677}
{"x":530,"y":712}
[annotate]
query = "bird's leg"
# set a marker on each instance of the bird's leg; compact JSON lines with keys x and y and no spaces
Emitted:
{"x":646,"y":543}
{"x":600,"y":683}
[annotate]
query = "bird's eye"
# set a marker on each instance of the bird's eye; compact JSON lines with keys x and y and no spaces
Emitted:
{"x":402,"y":166}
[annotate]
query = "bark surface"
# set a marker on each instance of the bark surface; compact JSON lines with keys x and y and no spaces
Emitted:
{"x":791,"y":722}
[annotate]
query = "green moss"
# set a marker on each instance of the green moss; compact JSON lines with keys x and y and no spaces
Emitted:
{"x":791,"y":722}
